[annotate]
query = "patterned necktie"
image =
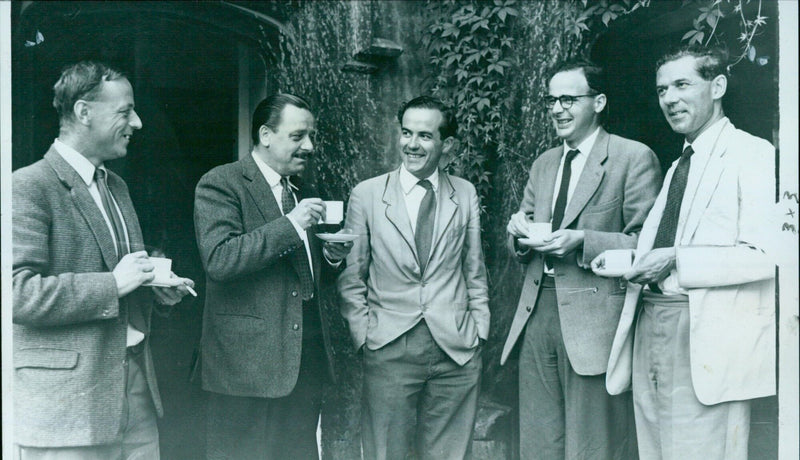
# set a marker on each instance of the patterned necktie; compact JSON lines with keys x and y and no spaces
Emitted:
{"x":111,"y":211}
{"x":668,"y":226}
{"x":299,"y":256}
{"x":561,"y":199}
{"x":423,"y":234}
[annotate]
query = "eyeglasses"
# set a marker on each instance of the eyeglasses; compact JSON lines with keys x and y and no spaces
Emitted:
{"x":565,"y":100}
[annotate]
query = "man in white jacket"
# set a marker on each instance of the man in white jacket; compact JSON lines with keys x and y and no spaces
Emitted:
{"x":697,"y":334}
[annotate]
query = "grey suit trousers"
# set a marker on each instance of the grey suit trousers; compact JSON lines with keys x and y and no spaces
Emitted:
{"x":564,"y":415}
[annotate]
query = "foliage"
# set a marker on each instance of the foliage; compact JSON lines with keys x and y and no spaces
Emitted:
{"x":469,"y":44}
{"x":704,"y":25}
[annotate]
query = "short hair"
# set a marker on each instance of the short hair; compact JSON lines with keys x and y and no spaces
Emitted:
{"x":268,"y":112}
{"x":449,"y":125}
{"x":709,"y":61}
{"x":595,"y":76}
{"x":82,"y":80}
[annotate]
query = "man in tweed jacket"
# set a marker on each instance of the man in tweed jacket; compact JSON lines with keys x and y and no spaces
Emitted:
{"x":84,"y":386}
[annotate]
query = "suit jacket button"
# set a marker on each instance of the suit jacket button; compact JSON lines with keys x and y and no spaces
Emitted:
{"x":535,"y":282}
{"x":295,"y":327}
{"x":528,"y":308}
{"x":294,"y":293}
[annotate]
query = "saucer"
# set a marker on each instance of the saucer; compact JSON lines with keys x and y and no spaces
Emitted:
{"x":336,"y":237}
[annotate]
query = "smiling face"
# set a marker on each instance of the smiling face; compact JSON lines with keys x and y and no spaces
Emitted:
{"x":289,"y":147}
{"x":110,"y":120}
{"x":581,"y":119}
{"x":421,"y":144}
{"x":690,"y":103}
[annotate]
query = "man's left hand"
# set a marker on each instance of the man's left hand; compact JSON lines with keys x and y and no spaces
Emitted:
{"x":335,"y":252}
{"x":653,"y":266}
{"x":561,"y":242}
{"x":173,"y":294}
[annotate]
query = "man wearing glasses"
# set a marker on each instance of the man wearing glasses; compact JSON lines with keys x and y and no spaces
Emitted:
{"x":595,"y":190}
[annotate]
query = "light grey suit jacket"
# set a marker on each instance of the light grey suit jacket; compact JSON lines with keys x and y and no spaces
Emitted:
{"x":726,"y":261}
{"x":383,"y":292}
{"x":70,"y":327}
{"x":615,"y":191}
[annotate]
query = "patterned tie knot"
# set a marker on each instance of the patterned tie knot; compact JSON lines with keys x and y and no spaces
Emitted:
{"x":426,"y":184}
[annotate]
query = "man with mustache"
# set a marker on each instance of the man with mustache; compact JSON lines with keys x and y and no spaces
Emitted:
{"x":595,"y":190}
{"x":703,"y":285}
{"x":265,"y":347}
{"x":84,"y":382}
{"x":415,"y":295}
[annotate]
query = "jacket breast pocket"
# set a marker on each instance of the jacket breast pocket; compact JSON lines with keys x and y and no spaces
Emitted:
{"x":602,"y":207}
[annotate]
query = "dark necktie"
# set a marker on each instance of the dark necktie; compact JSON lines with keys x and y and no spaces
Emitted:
{"x":563,"y":190}
{"x":668,"y":226}
{"x":423,"y":234}
{"x":111,"y":211}
{"x":135,"y":314}
{"x":299,"y":256}
{"x":561,"y":199}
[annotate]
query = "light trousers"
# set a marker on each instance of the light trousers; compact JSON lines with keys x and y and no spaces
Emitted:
{"x":670,"y":422}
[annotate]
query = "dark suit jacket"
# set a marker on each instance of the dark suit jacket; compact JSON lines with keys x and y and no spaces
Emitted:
{"x":253,"y":319}
{"x":69,"y":325}
{"x":615,"y":191}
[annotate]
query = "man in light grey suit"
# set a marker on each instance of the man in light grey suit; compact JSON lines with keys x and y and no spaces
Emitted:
{"x":415,"y":295}
{"x":84,"y":386}
{"x":696,"y":338}
{"x":595,"y":190}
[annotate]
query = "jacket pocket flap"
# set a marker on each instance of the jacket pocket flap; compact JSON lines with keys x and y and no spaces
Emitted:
{"x":47,"y":358}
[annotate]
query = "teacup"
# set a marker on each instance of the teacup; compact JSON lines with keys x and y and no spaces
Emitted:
{"x":162,"y":269}
{"x":334,"y":212}
{"x":618,"y":260}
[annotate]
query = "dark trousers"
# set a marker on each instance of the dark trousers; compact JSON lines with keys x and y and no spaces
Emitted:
{"x":418,"y":403}
{"x":241,"y":428}
{"x":564,"y":415}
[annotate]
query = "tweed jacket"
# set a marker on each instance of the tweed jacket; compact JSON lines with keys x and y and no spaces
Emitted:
{"x":383,"y":292}
{"x":614,"y":193}
{"x":253,"y":319}
{"x":69,"y":325}
{"x":725,"y":260}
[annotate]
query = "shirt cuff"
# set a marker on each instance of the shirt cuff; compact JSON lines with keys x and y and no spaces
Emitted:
{"x":329,"y":260}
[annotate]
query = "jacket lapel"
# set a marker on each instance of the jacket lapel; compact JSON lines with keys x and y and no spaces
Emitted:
{"x":396,"y":209}
{"x":589,"y":179}
{"x":86,"y":206}
{"x":543,"y":206}
{"x":707,"y":185}
{"x":446,"y":207}
{"x":259,"y":190}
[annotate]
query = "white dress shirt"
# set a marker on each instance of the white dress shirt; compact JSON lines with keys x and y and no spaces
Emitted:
{"x":703,"y":147}
{"x":85,"y":170}
{"x":414,"y":193}
{"x":274,"y":181}
{"x":576,"y":168}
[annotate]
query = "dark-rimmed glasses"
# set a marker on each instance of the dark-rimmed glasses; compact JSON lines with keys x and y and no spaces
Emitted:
{"x":565,"y":100}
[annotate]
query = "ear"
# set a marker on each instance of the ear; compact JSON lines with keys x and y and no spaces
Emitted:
{"x":264,"y":135}
{"x":600,"y":103}
{"x":81,"y":111}
{"x":449,"y":144}
{"x":719,"y":85}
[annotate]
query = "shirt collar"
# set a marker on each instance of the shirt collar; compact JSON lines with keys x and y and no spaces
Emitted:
{"x":272,"y":177}
{"x":707,"y":139}
{"x":79,"y":163}
{"x":586,"y":146}
{"x":408,"y":180}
